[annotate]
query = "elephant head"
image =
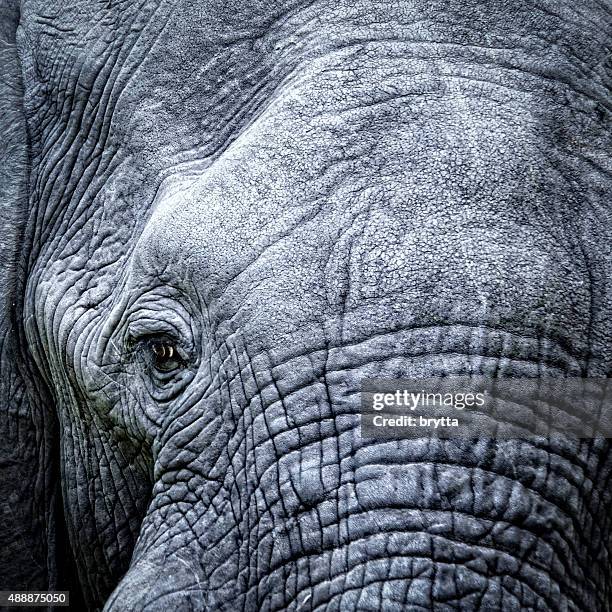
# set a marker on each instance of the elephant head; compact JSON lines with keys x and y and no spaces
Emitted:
{"x":219,"y":219}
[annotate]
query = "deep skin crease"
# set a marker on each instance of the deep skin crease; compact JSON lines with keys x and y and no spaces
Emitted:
{"x":294,"y":196}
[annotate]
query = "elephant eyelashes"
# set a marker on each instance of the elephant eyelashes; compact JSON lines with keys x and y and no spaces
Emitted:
{"x":165,"y":356}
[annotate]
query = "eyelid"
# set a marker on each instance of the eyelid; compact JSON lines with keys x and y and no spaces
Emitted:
{"x":148,"y":328}
{"x":143,"y":328}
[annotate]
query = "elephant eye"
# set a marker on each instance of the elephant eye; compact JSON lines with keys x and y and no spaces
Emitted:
{"x":165,"y":356}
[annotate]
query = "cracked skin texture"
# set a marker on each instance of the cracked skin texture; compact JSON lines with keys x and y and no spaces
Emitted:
{"x":301,"y":195}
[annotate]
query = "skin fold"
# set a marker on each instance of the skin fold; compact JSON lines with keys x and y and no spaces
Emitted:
{"x":218,"y":219}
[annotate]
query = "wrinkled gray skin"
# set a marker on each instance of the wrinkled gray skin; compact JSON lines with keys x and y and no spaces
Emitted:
{"x":295,"y":196}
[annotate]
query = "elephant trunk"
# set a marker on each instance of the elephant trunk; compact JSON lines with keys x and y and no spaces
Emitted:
{"x":301,"y":513}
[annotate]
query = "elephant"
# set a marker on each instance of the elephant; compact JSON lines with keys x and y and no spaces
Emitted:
{"x":218,"y":219}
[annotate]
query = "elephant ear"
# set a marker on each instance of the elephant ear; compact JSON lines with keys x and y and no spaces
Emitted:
{"x":28,"y":481}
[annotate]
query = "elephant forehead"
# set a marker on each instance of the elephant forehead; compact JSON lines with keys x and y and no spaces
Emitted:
{"x":181,"y":83}
{"x":313,"y":214}
{"x":315,"y":98}
{"x":354,"y":154}
{"x":321,"y":149}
